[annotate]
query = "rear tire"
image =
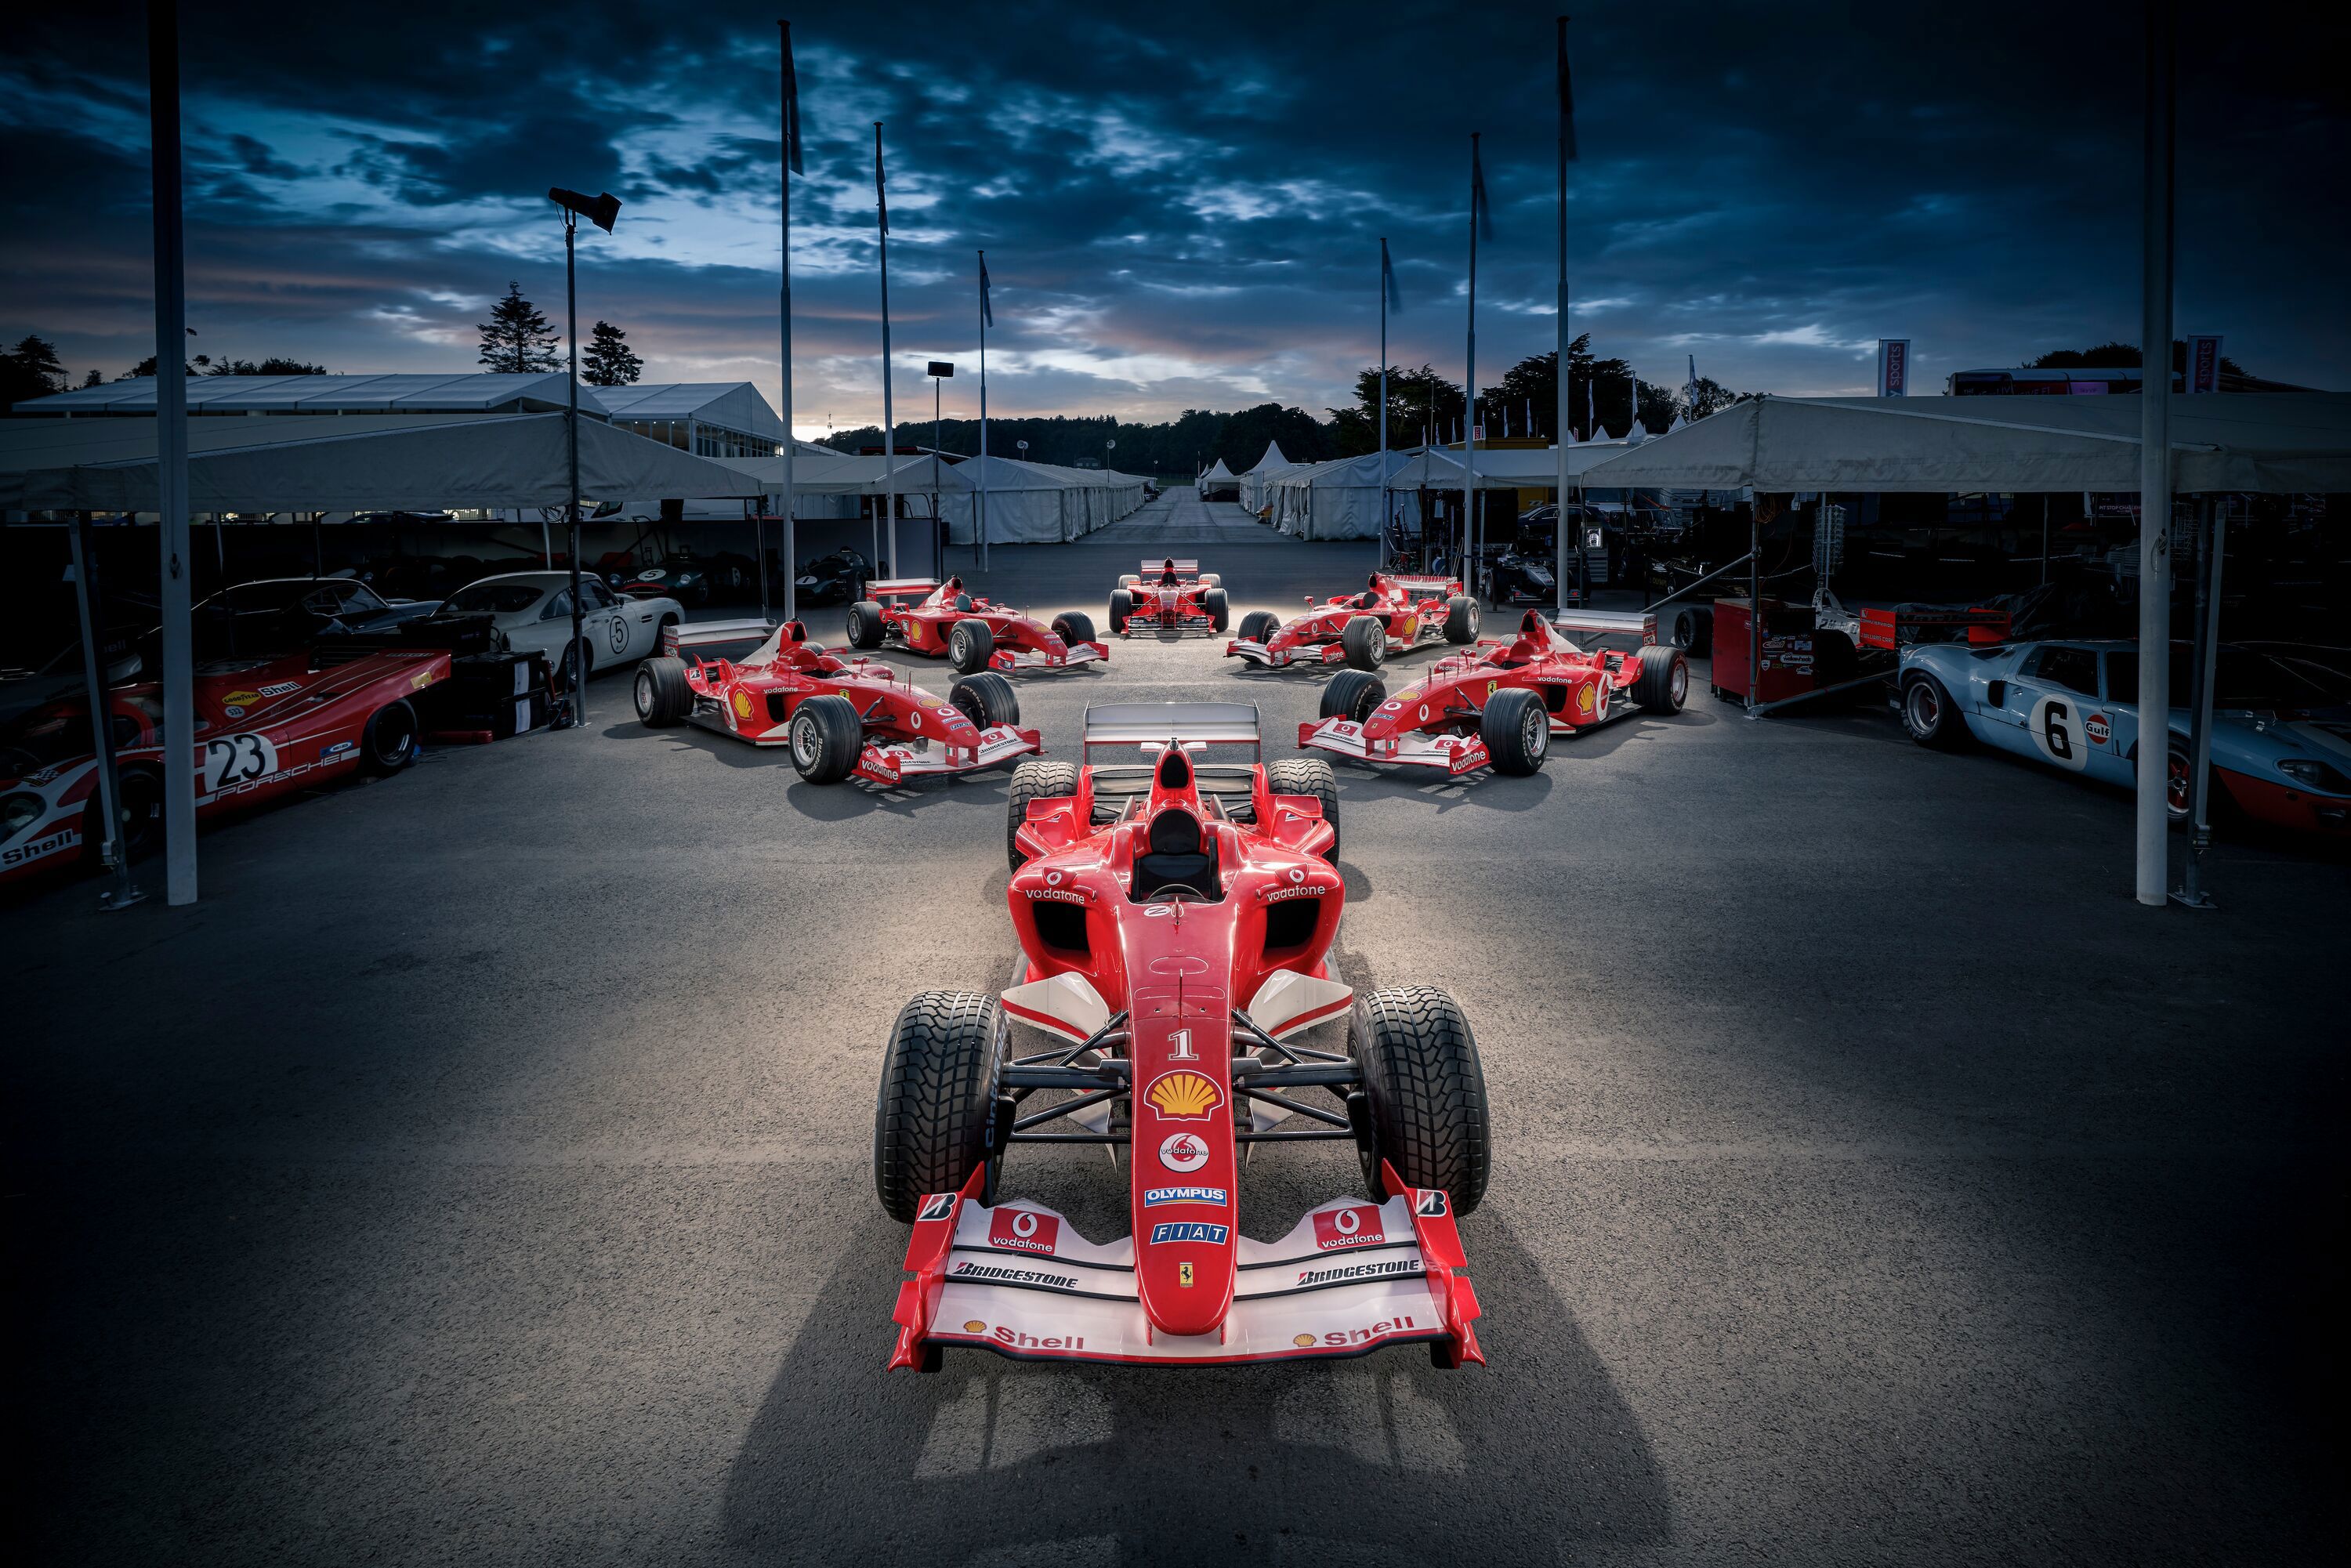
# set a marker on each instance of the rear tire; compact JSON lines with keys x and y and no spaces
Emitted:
{"x":1929,"y":714}
{"x":1220,"y":614}
{"x":389,"y":742}
{"x":938,"y":1095}
{"x":865,"y":624}
{"x":663,"y":695}
{"x":1033,"y":781}
{"x":1693,"y":630}
{"x":1420,"y":1068}
{"x":1212,"y":579}
{"x":1121,"y":605}
{"x":1128,"y":579}
{"x":1517,"y":733}
{"x":825,"y":738}
{"x":1461,"y":619}
{"x":1664,"y":683}
{"x":1075,"y":627}
{"x":986,"y":699}
{"x":1353,"y":695}
{"x":1257,"y":625}
{"x":1365,"y":641}
{"x":970,"y":644}
{"x":1309,"y":775}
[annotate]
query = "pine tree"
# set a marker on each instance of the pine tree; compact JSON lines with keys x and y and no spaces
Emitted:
{"x":610,"y":360}
{"x":517,"y":339}
{"x":30,"y":370}
{"x":93,"y":379}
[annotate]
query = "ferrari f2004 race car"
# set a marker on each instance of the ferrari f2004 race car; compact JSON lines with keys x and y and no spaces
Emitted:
{"x":839,"y":716}
{"x":1393,"y":614}
{"x":942,"y":618}
{"x":1169,"y":595}
{"x":1175,"y":920}
{"x":1500,"y":704}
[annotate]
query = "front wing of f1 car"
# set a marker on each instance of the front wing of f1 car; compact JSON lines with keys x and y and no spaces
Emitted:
{"x":1350,"y":1278}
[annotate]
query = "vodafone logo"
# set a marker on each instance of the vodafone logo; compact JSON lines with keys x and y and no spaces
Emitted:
{"x":1184,"y":1152}
{"x":1024,"y":1231}
{"x":1336,"y":1229}
{"x":1053,"y":879}
{"x":1296,"y":873}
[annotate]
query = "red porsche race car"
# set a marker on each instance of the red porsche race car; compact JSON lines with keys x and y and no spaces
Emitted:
{"x":838,"y":715}
{"x":263,"y":726}
{"x":1176,"y":920}
{"x":1169,"y":595}
{"x":1500,"y":704}
{"x":974,"y":634}
{"x":1393,"y":614}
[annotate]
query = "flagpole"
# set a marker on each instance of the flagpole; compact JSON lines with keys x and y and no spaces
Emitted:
{"x":790,"y":127}
{"x":1469,"y":382}
{"x":981,"y":530}
{"x":888,"y":415}
{"x":1385,"y":273}
{"x":1567,"y":151}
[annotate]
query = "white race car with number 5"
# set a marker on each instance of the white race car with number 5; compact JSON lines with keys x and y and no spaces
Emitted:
{"x":530,"y":613}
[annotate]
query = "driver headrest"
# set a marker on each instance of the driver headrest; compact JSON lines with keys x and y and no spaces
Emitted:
{"x":795,"y":632}
{"x":1176,"y":831}
{"x":1365,"y":600}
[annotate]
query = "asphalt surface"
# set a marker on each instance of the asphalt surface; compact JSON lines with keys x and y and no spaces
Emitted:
{"x":479,"y":1173}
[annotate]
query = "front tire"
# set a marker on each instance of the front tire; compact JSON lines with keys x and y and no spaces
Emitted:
{"x":825,"y":738}
{"x":1366,"y":643}
{"x":663,"y":696}
{"x":1664,"y":683}
{"x":1220,"y":614}
{"x":938,"y":1095}
{"x":389,"y":742}
{"x":865,"y":624}
{"x":1073,"y":627}
{"x":1929,"y":714}
{"x":1257,"y":625}
{"x":970,"y":644}
{"x":1517,"y":733}
{"x":1033,"y":781}
{"x":1461,"y":619}
{"x":1121,"y":606}
{"x":1353,"y":695}
{"x":1313,"y":777}
{"x":1428,"y":1092}
{"x":986,"y":699}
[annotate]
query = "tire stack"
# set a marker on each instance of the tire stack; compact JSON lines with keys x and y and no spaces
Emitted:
{"x":487,"y":697}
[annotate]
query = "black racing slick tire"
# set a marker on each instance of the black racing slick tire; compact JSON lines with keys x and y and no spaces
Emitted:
{"x":937,"y":1097}
{"x":865,"y":624}
{"x":1428,"y":1092}
{"x":986,"y":699}
{"x":1516,"y":730}
{"x":1366,"y":642}
{"x":825,"y":738}
{"x":1121,"y":606}
{"x":1073,"y":627}
{"x":663,"y":696}
{"x":1691,"y":630}
{"x":1309,"y":775}
{"x":388,"y":744}
{"x":970,"y":644}
{"x":1353,"y":695}
{"x":1461,"y":619}
{"x":1664,"y":683}
{"x":1257,"y":625}
{"x":1930,"y":716}
{"x":1220,"y":614}
{"x":1033,"y":781}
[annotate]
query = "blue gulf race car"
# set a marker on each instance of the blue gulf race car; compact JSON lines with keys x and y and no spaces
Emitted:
{"x":2280,"y":720}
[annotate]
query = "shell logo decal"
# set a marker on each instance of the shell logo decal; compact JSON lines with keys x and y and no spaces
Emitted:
{"x":1583,"y":698}
{"x":743,"y":705}
{"x":1185,"y":1096}
{"x":913,"y":631}
{"x":975,"y":1326}
{"x":1303,"y":1341}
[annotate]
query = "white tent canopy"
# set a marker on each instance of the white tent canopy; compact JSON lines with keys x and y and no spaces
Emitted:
{"x":481,"y":391}
{"x":2267,"y":443}
{"x":417,"y":462}
{"x":1502,"y":468}
{"x":1335,"y":500}
{"x":1253,"y":482}
{"x":1217,"y":479}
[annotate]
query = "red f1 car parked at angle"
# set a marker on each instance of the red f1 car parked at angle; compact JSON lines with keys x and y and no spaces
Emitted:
{"x":1170,"y":596}
{"x":1500,"y":704}
{"x":264,"y":726}
{"x":974,"y":634}
{"x":1393,"y":614}
{"x":838,"y":715}
{"x":1176,"y":918}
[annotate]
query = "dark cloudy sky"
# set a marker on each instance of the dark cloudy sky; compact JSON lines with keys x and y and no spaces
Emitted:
{"x":1181,"y":203}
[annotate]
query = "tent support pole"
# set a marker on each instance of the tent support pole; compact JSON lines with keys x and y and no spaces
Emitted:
{"x":1755,"y":604}
{"x":2152,"y":823}
{"x":759,"y":557}
{"x":575,"y":677}
{"x":178,"y":673}
{"x":2211,"y":542}
{"x":124,"y":893}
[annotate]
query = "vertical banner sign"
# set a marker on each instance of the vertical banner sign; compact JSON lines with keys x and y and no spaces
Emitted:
{"x":2203,"y":364}
{"x":1893,"y":367}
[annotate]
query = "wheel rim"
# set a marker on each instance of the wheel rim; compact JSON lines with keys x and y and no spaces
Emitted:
{"x":2175,"y":794}
{"x":644,"y":694}
{"x":1678,"y":684}
{"x":1534,"y":730}
{"x":1923,"y":708}
{"x":805,"y":745}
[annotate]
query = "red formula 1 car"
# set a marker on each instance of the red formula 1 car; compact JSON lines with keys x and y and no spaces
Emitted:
{"x":935,"y":618}
{"x":1176,"y":918}
{"x":840,"y":714}
{"x":1500,"y":703}
{"x":264,"y":726}
{"x":1169,"y":595}
{"x":1392,"y":615}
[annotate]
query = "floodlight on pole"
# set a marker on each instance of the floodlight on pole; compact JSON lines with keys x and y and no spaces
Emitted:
{"x":600,"y":211}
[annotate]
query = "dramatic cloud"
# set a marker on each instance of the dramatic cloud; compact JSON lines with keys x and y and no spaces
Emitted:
{"x":1181,"y":205}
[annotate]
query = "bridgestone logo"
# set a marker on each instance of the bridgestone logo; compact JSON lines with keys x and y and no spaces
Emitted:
{"x":969,"y":1270}
{"x":1384,"y":1269}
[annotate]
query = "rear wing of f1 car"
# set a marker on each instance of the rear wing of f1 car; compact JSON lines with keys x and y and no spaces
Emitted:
{"x":903,"y":588}
{"x":731,"y":640}
{"x":1186,"y":723}
{"x":1641,"y":624}
{"x":1183,"y":568}
{"x":1427,"y":587}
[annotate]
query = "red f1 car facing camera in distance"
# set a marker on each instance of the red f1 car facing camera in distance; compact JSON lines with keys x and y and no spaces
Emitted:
{"x":1176,"y":918}
{"x":974,"y":634}
{"x":838,"y":715}
{"x":1392,"y":615}
{"x":1500,"y":703}
{"x":1170,"y":595}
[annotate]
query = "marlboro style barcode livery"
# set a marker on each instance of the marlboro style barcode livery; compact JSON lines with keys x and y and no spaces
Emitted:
{"x":1393,"y":614}
{"x":972,"y":634}
{"x":1176,"y":918}
{"x":1169,"y":595}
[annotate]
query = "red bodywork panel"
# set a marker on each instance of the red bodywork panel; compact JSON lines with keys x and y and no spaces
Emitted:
{"x":920,"y":614}
{"x":1413,"y":610}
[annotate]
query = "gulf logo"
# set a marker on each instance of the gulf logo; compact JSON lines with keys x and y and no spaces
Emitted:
{"x":1185,"y":1096}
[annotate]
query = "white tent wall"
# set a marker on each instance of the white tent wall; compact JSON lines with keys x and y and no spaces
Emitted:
{"x":1254,"y":482}
{"x":1335,"y":500}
